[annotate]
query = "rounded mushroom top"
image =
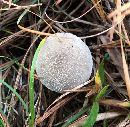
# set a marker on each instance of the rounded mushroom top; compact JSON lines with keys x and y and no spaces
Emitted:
{"x":64,"y":62}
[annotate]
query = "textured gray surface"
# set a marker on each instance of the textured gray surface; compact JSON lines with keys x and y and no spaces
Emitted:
{"x":64,"y":62}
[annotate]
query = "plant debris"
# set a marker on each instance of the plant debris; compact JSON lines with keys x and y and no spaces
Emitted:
{"x":104,"y":100}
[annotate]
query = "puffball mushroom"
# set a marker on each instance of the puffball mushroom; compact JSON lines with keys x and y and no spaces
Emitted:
{"x":63,"y":62}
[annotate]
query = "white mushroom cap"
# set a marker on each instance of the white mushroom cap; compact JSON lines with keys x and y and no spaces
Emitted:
{"x":64,"y":62}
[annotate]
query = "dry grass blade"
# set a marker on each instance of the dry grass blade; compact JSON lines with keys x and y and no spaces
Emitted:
{"x":115,"y":103}
{"x":51,"y":119}
{"x":104,"y":26}
{"x":54,"y":109}
{"x":125,"y":66}
{"x":34,"y":31}
{"x":73,"y":19}
{"x":8,"y":17}
{"x":117,"y":15}
{"x":100,"y":117}
{"x":123,"y":9}
{"x":126,"y":73}
{"x":100,"y":10}
{"x":11,"y":38}
{"x":17,"y":7}
{"x":124,"y":123}
{"x":67,"y":93}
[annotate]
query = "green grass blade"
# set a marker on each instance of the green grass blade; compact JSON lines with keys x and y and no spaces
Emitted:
{"x":75,"y":117}
{"x":95,"y":108}
{"x":1,"y":123}
{"x":101,"y":93}
{"x":93,"y":115}
{"x":102,"y":72}
{"x":128,"y":116}
{"x":14,"y":91}
{"x":31,"y":85}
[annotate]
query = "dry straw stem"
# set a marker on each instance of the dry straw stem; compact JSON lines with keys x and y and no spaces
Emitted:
{"x":125,"y":67}
{"x":16,"y":7}
{"x":49,"y":112}
{"x":124,"y":123}
{"x":67,"y":93}
{"x":74,"y":19}
{"x":117,"y":15}
{"x":100,"y":10}
{"x":34,"y":31}
{"x":15,"y":35}
{"x":115,"y":103}
{"x":125,"y":10}
{"x":61,"y":100}
{"x":1,"y":106}
{"x":101,"y":116}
